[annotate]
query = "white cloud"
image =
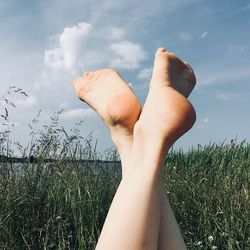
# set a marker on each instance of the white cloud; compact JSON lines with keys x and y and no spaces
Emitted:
{"x":209,"y":80}
{"x":93,"y":59}
{"x":226,"y":96}
{"x":64,"y":105}
{"x":245,"y":8}
{"x":145,"y":73}
{"x":204,"y":34}
{"x":130,"y":55}
{"x":78,"y":113}
{"x":240,"y":97}
{"x":206,"y":120}
{"x":26,"y":103}
{"x":116,"y":33}
{"x":42,"y":79}
{"x":226,"y":75}
{"x":203,"y":123}
{"x":71,"y":55}
{"x":234,"y":48}
{"x":69,"y":51}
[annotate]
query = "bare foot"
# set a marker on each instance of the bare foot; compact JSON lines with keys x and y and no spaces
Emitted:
{"x":114,"y":101}
{"x":167,"y":114}
{"x":169,"y":70}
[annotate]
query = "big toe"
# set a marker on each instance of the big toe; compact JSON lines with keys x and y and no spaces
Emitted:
{"x":160,"y":50}
{"x":170,"y":70}
{"x":160,"y":70}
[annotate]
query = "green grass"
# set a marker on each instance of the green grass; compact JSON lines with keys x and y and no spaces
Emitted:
{"x":209,"y":190}
{"x":62,"y":205}
{"x":49,"y":208}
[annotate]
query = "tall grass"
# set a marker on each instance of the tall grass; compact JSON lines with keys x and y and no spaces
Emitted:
{"x":62,"y":204}
{"x":59,"y":199}
{"x":209,"y":190}
{"x":49,"y":208}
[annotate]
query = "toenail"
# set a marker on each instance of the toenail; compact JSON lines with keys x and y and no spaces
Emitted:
{"x":162,"y":49}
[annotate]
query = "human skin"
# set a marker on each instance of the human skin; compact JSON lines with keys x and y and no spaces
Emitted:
{"x":142,"y":144}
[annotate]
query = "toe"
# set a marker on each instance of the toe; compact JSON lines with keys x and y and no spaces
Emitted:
{"x":162,"y":53}
{"x":76,"y":81}
{"x":85,"y":74}
{"x":159,"y":50}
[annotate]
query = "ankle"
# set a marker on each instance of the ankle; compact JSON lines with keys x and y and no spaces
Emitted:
{"x":151,"y":139}
{"x":149,"y":148}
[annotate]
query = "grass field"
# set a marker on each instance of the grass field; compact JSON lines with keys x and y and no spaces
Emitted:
{"x":62,"y":205}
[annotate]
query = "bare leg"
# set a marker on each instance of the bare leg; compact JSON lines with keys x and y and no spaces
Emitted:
{"x":133,"y":220}
{"x":100,"y":92}
{"x":116,"y":104}
{"x":170,"y":236}
{"x":169,"y":215}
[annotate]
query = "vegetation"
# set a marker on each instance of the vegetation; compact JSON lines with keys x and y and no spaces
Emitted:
{"x":62,"y":203}
{"x":209,"y":190}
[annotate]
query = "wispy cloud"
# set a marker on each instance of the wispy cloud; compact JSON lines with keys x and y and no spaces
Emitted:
{"x":240,"y":96}
{"x":245,"y":8}
{"x":64,"y":105}
{"x":206,"y":120}
{"x":228,"y":75}
{"x":204,"y":34}
{"x":145,"y":73}
{"x":78,"y":113}
{"x":81,"y":36}
{"x":226,"y":96}
{"x":235,"y":48}
{"x":203,"y":123}
{"x":27,"y":103}
{"x":116,"y":33}
{"x":129,"y":55}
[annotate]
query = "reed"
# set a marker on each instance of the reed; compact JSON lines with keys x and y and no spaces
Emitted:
{"x":61,"y":203}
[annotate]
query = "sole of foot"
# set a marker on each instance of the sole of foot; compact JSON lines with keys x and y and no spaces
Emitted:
{"x":167,"y":114}
{"x":169,"y":70}
{"x":114,"y":101}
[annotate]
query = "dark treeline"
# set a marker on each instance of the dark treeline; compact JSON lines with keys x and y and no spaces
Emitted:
{"x":32,"y":159}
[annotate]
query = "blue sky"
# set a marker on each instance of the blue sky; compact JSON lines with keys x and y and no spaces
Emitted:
{"x":45,"y":44}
